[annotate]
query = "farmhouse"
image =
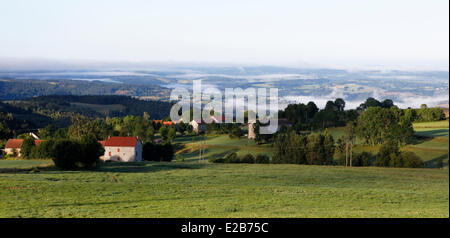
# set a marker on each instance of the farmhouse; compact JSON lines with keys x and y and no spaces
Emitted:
{"x":13,"y":145}
{"x":197,"y":127}
{"x":124,"y":149}
{"x":200,"y":126}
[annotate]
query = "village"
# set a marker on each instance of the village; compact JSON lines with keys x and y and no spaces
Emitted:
{"x":127,"y":148}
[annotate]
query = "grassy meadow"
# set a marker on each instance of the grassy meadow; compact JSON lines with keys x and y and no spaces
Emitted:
{"x":152,"y":189}
{"x":431,"y":145}
{"x":217,"y":146}
{"x":194,"y":188}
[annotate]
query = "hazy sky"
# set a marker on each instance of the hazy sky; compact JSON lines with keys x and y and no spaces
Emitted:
{"x":244,"y":31}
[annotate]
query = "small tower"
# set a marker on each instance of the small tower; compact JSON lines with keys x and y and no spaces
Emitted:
{"x":251,"y":130}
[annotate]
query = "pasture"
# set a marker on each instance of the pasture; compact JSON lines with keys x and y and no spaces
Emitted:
{"x":195,"y":188}
{"x":222,"y":190}
{"x":217,"y":146}
{"x":431,"y":144}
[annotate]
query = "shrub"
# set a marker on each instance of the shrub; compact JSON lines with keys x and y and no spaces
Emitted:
{"x":91,"y":151}
{"x":66,"y":154}
{"x":157,"y":152}
{"x":362,"y":159}
{"x":395,"y":160}
{"x":411,"y":160}
{"x":14,"y":153}
{"x":27,"y":148}
{"x":179,"y":158}
{"x":406,"y":160}
{"x":2,"y":143}
{"x":44,"y":150}
{"x":248,"y":159}
{"x":231,"y":158}
{"x":217,"y":160}
{"x":262,"y":159}
{"x":384,"y":154}
{"x":341,"y":160}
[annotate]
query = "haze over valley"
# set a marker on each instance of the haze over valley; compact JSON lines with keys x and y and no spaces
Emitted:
{"x":407,"y":88}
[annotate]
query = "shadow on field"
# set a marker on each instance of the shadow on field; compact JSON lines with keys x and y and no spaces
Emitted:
{"x":135,"y":167}
{"x":145,"y":167}
{"x":419,"y":139}
{"x":208,"y":154}
{"x":34,"y":169}
{"x":433,"y":163}
{"x":194,"y":139}
{"x":433,"y":133}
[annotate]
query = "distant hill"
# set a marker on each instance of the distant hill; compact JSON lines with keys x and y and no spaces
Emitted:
{"x":58,"y":109}
{"x":18,"y":89}
{"x":24,"y":120}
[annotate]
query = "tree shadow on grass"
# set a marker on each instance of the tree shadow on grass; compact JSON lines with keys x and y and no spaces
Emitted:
{"x":131,"y":167}
{"x":28,"y":170}
{"x":433,"y":163}
{"x":419,"y":139}
{"x":195,"y":157}
{"x":432,"y":133}
{"x":145,"y":167}
{"x":194,"y":139}
{"x":223,"y":154}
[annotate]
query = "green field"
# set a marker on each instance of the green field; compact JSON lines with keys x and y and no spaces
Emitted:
{"x":23,"y":164}
{"x":218,"y":146}
{"x":431,"y":145}
{"x":35,"y":188}
{"x":223,"y":190}
{"x":434,"y":124}
{"x":433,"y":142}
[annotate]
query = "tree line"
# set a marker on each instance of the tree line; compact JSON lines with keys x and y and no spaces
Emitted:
{"x":84,"y":153}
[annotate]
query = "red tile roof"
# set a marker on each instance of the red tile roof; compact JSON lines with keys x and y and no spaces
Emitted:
{"x":38,"y":142}
{"x":17,"y":143}
{"x":166,"y":123}
{"x":121,"y":141}
{"x":14,"y":143}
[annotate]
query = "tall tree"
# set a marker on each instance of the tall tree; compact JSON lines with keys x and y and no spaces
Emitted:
{"x":350,"y":136}
{"x":340,"y":103}
{"x":27,"y":148}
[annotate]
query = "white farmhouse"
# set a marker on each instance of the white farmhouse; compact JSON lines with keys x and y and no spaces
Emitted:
{"x":123,"y":149}
{"x":197,"y":127}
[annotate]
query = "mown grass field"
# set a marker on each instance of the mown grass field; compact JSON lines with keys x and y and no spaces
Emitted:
{"x":35,"y":188}
{"x":222,"y":190}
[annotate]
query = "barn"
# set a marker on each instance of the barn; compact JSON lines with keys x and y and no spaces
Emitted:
{"x":123,"y":149}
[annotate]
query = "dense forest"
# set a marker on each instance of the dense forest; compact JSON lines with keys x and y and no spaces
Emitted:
{"x":18,"y":89}
{"x":58,"y":110}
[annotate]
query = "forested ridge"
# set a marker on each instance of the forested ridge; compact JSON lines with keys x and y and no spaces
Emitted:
{"x":37,"y":112}
{"x":18,"y":89}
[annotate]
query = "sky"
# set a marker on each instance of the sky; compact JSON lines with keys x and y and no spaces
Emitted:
{"x":280,"y":32}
